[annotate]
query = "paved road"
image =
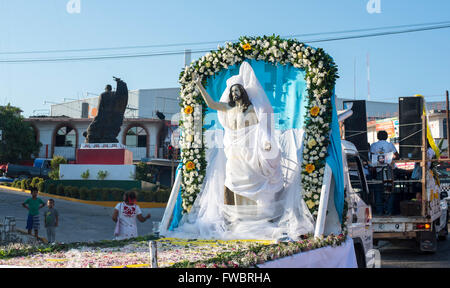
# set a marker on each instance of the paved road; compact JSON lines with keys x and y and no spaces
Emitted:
{"x":78,"y":222}
{"x":83,"y":222}
{"x":403,"y":255}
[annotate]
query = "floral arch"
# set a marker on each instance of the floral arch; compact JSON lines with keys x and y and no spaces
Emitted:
{"x":321,"y":75}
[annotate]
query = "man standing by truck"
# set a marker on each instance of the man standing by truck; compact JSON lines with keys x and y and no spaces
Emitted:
{"x":380,"y":160}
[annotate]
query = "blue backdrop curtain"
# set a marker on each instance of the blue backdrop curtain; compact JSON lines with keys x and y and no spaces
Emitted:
{"x":286,"y":89}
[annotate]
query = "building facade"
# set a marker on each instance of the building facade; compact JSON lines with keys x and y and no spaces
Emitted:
{"x":62,"y":136}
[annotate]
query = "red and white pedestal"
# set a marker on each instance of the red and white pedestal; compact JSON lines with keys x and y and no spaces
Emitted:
{"x":104,"y":153}
{"x":112,"y":158}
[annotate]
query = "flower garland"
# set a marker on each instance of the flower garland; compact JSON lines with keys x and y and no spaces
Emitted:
{"x":172,"y":252}
{"x":259,"y":254}
{"x":321,"y":75}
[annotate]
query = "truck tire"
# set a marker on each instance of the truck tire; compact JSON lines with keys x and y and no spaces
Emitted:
{"x":360,"y":256}
{"x":442,"y":236}
{"x":427,"y":241}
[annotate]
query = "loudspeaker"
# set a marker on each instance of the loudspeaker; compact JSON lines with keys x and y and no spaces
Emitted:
{"x":410,"y":110}
{"x":356,"y":127}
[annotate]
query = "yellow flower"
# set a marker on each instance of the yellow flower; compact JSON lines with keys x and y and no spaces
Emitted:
{"x":246,"y":46}
{"x":189,"y":138}
{"x":190,"y":165}
{"x":300,"y":55}
{"x":314,"y":111}
{"x":188,"y":109}
{"x":310,"y":168}
{"x":310,"y":204}
{"x":311,"y":143}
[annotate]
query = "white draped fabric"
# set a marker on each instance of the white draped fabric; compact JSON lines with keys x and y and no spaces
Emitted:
{"x":270,"y":179}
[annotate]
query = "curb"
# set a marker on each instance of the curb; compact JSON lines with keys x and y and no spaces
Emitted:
{"x":42,"y":239}
{"x":98,"y":203}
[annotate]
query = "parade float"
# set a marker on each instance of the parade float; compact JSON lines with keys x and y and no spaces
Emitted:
{"x":303,"y":224}
{"x":294,"y":84}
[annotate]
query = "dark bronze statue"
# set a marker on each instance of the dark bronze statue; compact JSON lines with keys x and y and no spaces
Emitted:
{"x":111,"y":109}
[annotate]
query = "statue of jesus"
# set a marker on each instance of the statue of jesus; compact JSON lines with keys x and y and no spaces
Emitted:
{"x":253,"y":174}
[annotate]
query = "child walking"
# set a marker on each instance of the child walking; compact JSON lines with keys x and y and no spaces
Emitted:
{"x":33,"y":205}
{"x":51,"y":220}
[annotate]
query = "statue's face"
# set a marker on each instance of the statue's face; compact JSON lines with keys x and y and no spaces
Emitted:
{"x":236,"y":93}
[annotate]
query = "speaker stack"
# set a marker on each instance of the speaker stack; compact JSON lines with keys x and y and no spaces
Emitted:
{"x":356,"y":127}
{"x":410,"y":121}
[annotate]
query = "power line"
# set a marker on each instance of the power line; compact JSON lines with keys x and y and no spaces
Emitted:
{"x":218,"y":41}
{"x":167,"y":53}
{"x":380,"y":34}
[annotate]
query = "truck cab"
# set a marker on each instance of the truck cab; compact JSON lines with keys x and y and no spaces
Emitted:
{"x":359,"y":213}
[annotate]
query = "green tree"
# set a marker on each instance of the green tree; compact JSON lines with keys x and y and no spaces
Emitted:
{"x":56,"y":161}
{"x":18,"y":137}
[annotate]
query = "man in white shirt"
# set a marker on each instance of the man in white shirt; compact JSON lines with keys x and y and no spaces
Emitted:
{"x":383,"y":150}
{"x":382,"y":146}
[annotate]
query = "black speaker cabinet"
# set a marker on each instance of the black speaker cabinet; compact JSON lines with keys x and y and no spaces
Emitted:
{"x":410,"y":110}
{"x":356,"y":127}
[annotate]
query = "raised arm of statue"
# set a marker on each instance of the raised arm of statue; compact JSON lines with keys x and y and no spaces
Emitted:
{"x":121,"y":95}
{"x":209,"y":101}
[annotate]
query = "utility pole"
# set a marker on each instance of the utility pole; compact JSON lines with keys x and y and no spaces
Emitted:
{"x":448,"y":126}
{"x":368,"y":77}
{"x":354,"y":78}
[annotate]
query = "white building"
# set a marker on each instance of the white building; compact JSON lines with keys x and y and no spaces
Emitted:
{"x":142,"y":103}
{"x":142,"y":131}
{"x":146,"y":135}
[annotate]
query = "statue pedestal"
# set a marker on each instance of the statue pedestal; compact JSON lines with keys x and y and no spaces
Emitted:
{"x":104,"y":153}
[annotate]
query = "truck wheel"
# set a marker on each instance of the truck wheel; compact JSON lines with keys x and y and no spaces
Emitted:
{"x":360,"y":256}
{"x":427,"y":241}
{"x":444,"y":232}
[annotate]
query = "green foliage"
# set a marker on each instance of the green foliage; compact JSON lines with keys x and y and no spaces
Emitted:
{"x":26,"y":250}
{"x":41,"y":186}
{"x":53,"y":174}
{"x":84,"y":193}
{"x":56,"y":161}
{"x":51,"y":189}
{"x":24,"y":184}
{"x":101,"y":175}
{"x":67,"y":191}
{"x":60,"y":190}
{"x":85,"y":175}
{"x":75,"y":193}
{"x":117,"y":194}
{"x":93,"y":193}
{"x":19,"y":139}
{"x":161,"y":195}
{"x":35,"y":181}
{"x":142,"y":171}
{"x":15,"y":184}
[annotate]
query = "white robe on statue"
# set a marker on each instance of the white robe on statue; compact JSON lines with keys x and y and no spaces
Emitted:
{"x":271,"y":179}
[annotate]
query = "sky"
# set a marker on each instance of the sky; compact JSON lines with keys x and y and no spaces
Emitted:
{"x":400,"y":65}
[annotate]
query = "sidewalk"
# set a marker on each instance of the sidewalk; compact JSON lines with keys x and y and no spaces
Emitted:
{"x":79,"y":222}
